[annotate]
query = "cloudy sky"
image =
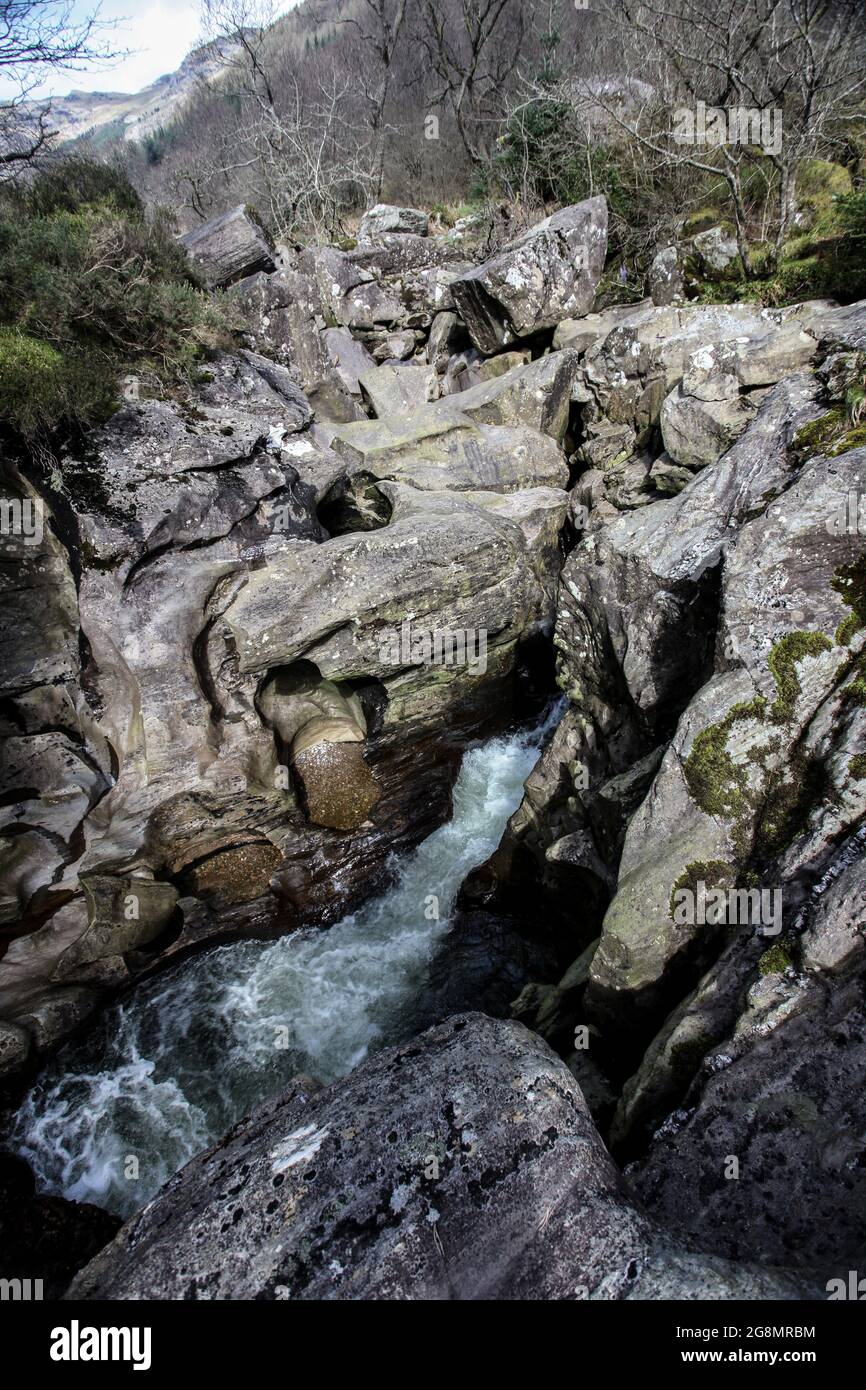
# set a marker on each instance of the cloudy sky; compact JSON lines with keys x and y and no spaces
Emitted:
{"x":158,"y":33}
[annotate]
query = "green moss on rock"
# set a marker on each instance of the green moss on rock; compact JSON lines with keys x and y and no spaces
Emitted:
{"x":849,"y":582}
{"x":783,"y":661}
{"x":714,"y":780}
{"x":701,"y":221}
{"x":776,"y":960}
{"x":713,"y":873}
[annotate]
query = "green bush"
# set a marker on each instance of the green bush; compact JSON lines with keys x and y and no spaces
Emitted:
{"x":32,"y":380}
{"x":91,"y":288}
{"x":76,"y":183}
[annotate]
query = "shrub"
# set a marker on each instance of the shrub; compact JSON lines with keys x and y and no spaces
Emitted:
{"x":75,"y":183}
{"x":32,"y":380}
{"x":91,"y":289}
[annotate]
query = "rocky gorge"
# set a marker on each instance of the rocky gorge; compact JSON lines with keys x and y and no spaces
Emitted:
{"x":628,"y":1065}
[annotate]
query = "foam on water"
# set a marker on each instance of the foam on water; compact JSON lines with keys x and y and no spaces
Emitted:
{"x":169,"y":1070}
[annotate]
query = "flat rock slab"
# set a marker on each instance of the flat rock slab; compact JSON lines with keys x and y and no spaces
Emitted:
{"x":386,"y":218}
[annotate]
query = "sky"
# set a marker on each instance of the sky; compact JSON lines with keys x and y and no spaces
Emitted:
{"x":158,"y":33}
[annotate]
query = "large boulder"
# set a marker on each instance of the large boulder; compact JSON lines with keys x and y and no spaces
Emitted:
{"x":548,"y":274}
{"x":731,"y":798}
{"x":718,"y":352}
{"x":386,"y":218}
{"x":451,"y":454}
{"x":352,"y":295}
{"x":768,"y":1074}
{"x":462,"y":1165}
{"x":399,"y":389}
{"x":283,"y":317}
{"x":451,"y":560}
{"x":537,"y":394}
{"x":228,"y":248}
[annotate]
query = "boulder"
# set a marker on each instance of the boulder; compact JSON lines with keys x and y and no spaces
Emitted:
{"x":445,"y":333}
{"x":547,"y":275}
{"x":14,"y":1049}
{"x":583,"y":333}
{"x":665,"y":280}
{"x":228,"y":248}
{"x":399,"y":389}
{"x":45,"y":1238}
{"x":628,"y":373}
{"x":784,"y":1100}
{"x":337,"y":786}
{"x":397,"y":347}
{"x":385,"y":218}
{"x":730,"y":796}
{"x":717,"y":251}
{"x":463,"y":1165}
{"x":697,"y":429}
{"x":537,"y":394}
{"x":283,"y":316}
{"x":351,"y":295}
{"x":448,"y":559}
{"x":453,"y":454}
{"x":349,"y":358}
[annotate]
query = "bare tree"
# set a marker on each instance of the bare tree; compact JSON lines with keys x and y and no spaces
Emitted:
{"x":473,"y":47}
{"x":379,"y":27}
{"x":39,"y":38}
{"x":297,"y":140}
{"x":777,"y":77}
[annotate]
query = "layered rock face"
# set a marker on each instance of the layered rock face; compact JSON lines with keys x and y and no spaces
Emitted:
{"x":240,"y":670}
{"x":262,"y":618}
{"x":704,"y":793}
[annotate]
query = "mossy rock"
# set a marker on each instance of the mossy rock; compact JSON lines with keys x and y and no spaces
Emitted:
{"x":712,"y":873}
{"x":819,"y":181}
{"x":701,"y":221}
{"x":783,"y":661}
{"x":724,"y":789}
{"x":849,"y":582}
{"x":761,"y":258}
{"x":857,"y":767}
{"x":776,"y":960}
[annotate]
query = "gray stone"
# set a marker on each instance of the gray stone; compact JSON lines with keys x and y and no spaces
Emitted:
{"x":583,"y":333}
{"x":384,"y":217}
{"x":348,"y":356}
{"x":836,"y":936}
{"x":453,"y":454}
{"x":444,"y":335}
{"x":399,"y":390}
{"x":547,"y":275}
{"x":462,"y":1165}
{"x":665,"y":281}
{"x":228,"y":248}
{"x":14,"y":1049}
{"x":696,"y":431}
{"x":717,"y":250}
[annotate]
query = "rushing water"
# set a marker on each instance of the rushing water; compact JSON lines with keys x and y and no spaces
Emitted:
{"x":170,"y":1069}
